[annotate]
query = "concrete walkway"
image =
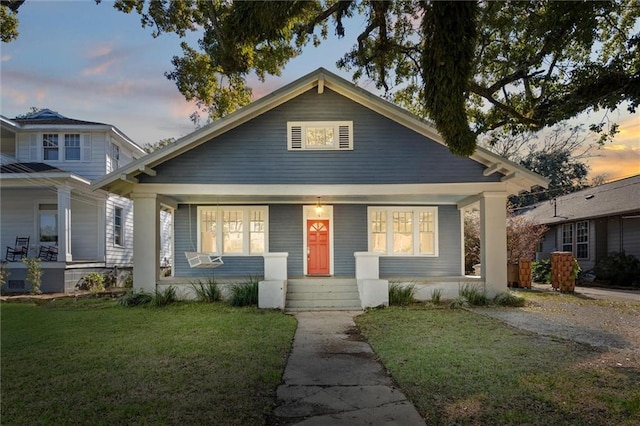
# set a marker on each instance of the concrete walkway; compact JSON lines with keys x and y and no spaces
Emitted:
{"x":333,"y":377}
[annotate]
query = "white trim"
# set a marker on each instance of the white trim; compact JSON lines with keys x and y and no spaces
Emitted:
{"x":309,"y":212}
{"x":246,"y":234}
{"x":117,"y":206}
{"x":415,"y":211}
{"x":302,"y":126}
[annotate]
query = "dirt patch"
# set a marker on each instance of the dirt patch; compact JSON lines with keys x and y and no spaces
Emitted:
{"x":611,"y":326}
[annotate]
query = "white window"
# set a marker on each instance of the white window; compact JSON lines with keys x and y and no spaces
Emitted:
{"x":582,"y":240}
{"x":50,"y":147}
{"x":118,"y":228}
{"x":567,"y":237}
{"x":403,"y":231}
{"x":115,"y":157}
{"x":320,"y":135}
{"x":48,"y":221}
{"x":233,"y":230}
{"x":72,"y":147}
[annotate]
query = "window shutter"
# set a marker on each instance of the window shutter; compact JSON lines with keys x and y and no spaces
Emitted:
{"x":344,"y":139}
{"x":296,"y":137}
{"x":86,"y":147}
{"x":33,"y":147}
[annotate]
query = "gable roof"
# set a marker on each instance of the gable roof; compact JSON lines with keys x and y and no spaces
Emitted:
{"x":28,"y":168}
{"x":520,"y":178}
{"x":615,"y":198}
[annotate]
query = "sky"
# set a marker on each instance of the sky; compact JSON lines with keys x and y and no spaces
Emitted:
{"x":92,"y":62}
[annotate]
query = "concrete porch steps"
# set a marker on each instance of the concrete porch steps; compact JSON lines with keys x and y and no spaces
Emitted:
{"x":317,"y":294}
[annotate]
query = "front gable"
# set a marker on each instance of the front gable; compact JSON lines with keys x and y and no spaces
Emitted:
{"x":258,"y":152}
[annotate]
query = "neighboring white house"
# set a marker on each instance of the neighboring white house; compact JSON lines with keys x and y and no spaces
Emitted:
{"x":48,"y":164}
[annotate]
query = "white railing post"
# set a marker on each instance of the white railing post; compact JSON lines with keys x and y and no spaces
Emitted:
{"x":272,"y":292}
{"x":373,"y":291}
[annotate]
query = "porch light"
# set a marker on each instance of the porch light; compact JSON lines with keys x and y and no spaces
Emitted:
{"x":319,"y":208}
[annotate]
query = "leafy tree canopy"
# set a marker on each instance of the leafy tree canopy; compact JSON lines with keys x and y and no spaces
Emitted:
{"x":471,"y":67}
{"x":9,"y":19}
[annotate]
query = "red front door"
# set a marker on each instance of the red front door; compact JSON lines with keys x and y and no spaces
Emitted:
{"x":317,"y":247}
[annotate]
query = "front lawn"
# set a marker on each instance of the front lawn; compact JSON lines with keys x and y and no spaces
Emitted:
{"x":93,"y":362}
{"x":458,"y":367}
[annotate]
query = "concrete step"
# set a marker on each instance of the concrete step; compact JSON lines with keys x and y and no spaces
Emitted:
{"x":310,"y":288}
{"x":342,"y":303}
{"x":322,"y":294}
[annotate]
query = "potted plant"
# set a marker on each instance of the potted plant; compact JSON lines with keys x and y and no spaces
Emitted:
{"x":522,"y":237}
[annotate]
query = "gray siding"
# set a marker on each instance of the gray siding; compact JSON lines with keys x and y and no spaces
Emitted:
{"x":286,"y":235}
{"x":631,"y":242}
{"x":448,"y":262}
{"x":350,"y":236}
{"x":256,"y":152}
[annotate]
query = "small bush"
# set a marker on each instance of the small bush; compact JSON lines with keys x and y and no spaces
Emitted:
{"x":34,"y":273}
{"x":459,"y":302}
{"x":164,"y":298}
{"x":541,"y":271}
{"x":436,"y":296}
{"x":93,"y":281}
{"x":401,"y":294}
{"x":207,"y":291}
{"x":128,"y":281}
{"x":619,"y":269}
{"x":475,"y":295}
{"x":135,"y":299}
{"x":509,"y":299}
{"x":246,"y":293}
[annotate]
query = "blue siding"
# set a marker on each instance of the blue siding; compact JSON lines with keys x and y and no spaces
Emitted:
{"x":256,"y":152}
{"x":186,"y":239}
{"x":286,"y":235}
{"x":448,"y":262}
{"x":350,"y":236}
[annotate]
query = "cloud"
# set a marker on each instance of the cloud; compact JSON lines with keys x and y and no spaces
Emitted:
{"x":6,"y":58}
{"x":98,"y":69}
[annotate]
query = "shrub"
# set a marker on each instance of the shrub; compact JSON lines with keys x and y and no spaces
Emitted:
{"x":93,"y":281}
{"x":134,"y":299}
{"x":509,"y":299}
{"x":619,"y":269}
{"x":401,"y":294}
{"x":475,"y":295}
{"x":459,"y":302}
{"x":128,"y":281}
{"x":246,"y":293}
{"x":436,"y":296}
{"x":164,"y":298}
{"x":34,"y":273}
{"x":207,"y":291}
{"x":541,"y":271}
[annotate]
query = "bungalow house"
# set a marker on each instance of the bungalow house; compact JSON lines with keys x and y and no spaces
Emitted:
{"x":48,"y":164}
{"x":320,"y":179}
{"x":592,"y":223}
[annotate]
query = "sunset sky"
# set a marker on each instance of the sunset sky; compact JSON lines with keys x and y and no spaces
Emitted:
{"x":93,"y":63}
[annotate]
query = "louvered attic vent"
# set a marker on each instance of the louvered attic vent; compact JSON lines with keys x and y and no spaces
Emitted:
{"x":320,"y":135}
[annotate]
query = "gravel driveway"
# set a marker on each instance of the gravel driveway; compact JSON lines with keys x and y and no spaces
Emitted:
{"x":609,"y":325}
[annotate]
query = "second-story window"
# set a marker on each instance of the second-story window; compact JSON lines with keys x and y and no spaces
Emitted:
{"x":115,"y":157}
{"x":50,"y":147}
{"x":72,"y":147}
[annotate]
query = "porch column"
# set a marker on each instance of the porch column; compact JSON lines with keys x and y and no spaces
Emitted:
{"x":64,"y":224}
{"x":146,"y":242}
{"x":493,"y":241}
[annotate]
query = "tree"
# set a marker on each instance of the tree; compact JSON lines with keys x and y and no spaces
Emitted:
{"x":9,"y":19}
{"x":150,"y":147}
{"x":471,"y":67}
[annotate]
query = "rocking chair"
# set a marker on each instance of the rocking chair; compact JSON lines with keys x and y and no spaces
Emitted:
{"x":19,"y":250}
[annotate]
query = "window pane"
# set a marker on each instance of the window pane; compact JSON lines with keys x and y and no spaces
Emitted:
{"x":232,"y":231}
{"x":403,"y":232}
{"x":72,"y":147}
{"x":48,"y":217}
{"x":582,"y":240}
{"x":567,"y":237}
{"x":256,"y":232}
{"x":379,"y":232}
{"x":427,"y":234}
{"x":50,"y":147}
{"x":320,"y":136}
{"x":117,"y":226}
{"x":208,"y":232}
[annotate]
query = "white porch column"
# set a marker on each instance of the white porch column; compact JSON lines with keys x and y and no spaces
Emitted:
{"x":146,"y":242}
{"x":64,"y":224}
{"x":101,"y":250}
{"x":493,"y":241}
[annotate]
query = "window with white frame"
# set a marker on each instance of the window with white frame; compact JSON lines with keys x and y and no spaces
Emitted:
{"x":50,"y":147}
{"x":582,"y":240}
{"x":115,"y":156}
{"x":567,"y":237}
{"x":48,"y":221}
{"x":403,"y":231}
{"x":118,"y":228}
{"x":320,"y":135}
{"x":72,"y":147}
{"x":233,"y":230}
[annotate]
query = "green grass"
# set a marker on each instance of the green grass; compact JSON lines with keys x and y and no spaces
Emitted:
{"x":94,"y":362}
{"x":461,"y":368}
